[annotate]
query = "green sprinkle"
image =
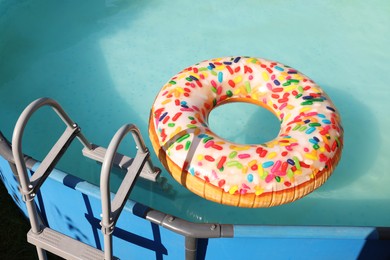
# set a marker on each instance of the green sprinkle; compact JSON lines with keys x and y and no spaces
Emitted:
{"x":172,"y":82}
{"x":247,"y":86}
{"x":338,"y":141}
{"x":234,"y":163}
{"x":188,"y":78}
{"x":300,"y":89}
{"x":303,"y":128}
{"x":188,"y":144}
{"x":307,"y":103}
{"x":290,"y":173}
{"x":297,"y":164}
{"x":294,"y":80}
{"x":213,"y":89}
{"x":191,"y":126}
{"x":171,"y":124}
{"x":203,"y":69}
{"x":214,"y":73}
{"x":214,"y":102}
{"x":316,"y":147}
{"x":191,"y":118}
{"x":229,"y":93}
{"x":277,"y":178}
{"x":232,"y":154}
{"x":182,"y":138}
{"x":205,"y":140}
{"x":296,"y":127}
{"x":287,"y":83}
{"x":298,"y":96}
{"x":314,"y":124}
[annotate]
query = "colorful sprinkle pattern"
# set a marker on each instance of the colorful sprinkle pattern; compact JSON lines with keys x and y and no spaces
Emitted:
{"x":310,"y":135}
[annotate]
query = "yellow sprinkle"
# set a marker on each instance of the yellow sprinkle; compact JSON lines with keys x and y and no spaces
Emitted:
{"x":181,"y":90}
{"x":245,"y":169}
{"x":200,"y":157}
{"x":260,"y":170}
{"x":290,"y":107}
{"x":322,"y":149}
{"x":258,"y":190}
{"x":298,"y":172}
{"x":271,"y":155}
{"x":233,"y":189}
{"x":311,"y":156}
{"x":315,"y":90}
{"x":177,"y":130}
{"x":221,"y":67}
{"x":237,"y":79}
{"x":251,"y":163}
{"x":205,"y":75}
{"x":290,"y":88}
{"x":239,"y":148}
{"x":265,"y":76}
{"x":286,"y":117}
{"x":166,"y":101}
{"x":304,"y":109}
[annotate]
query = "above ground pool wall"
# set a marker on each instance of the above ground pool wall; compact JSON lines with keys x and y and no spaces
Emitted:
{"x":72,"y":206}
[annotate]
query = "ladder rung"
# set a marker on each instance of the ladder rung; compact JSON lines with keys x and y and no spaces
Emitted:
{"x":121,"y":161}
{"x":63,"y":245}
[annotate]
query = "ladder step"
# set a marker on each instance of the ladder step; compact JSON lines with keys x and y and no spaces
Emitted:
{"x":121,"y":161}
{"x":64,"y":246}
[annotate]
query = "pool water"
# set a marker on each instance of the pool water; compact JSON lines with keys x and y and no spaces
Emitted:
{"x":105,"y":61}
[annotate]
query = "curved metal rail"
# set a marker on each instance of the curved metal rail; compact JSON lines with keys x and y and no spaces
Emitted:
{"x":112,"y":209}
{"x":141,"y":164}
{"x":29,"y":187}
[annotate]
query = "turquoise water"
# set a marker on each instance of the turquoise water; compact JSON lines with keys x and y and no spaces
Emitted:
{"x":105,"y":61}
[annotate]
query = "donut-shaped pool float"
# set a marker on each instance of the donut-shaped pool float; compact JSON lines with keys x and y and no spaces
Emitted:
{"x":297,"y":161}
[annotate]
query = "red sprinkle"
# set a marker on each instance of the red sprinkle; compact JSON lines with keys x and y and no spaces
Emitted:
{"x":221,"y":163}
{"x":165,"y":119}
{"x":221,"y":183}
{"x":230,"y":70}
{"x":231,"y":83}
{"x":209,"y":158}
{"x":178,"y":114}
{"x":218,"y":147}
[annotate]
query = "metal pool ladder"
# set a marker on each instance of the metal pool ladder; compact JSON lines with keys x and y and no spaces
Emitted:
{"x":46,"y":239}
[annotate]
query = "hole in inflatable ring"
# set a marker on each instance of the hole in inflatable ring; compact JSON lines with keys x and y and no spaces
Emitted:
{"x":244,"y":123}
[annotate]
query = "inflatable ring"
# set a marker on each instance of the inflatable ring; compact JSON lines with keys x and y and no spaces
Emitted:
{"x":297,"y":161}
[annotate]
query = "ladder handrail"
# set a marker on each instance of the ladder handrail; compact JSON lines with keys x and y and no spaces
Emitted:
{"x":18,"y":136}
{"x":112,"y":209}
{"x":27,"y":188}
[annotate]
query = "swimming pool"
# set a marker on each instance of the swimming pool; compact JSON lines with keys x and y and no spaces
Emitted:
{"x":105,"y":62}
